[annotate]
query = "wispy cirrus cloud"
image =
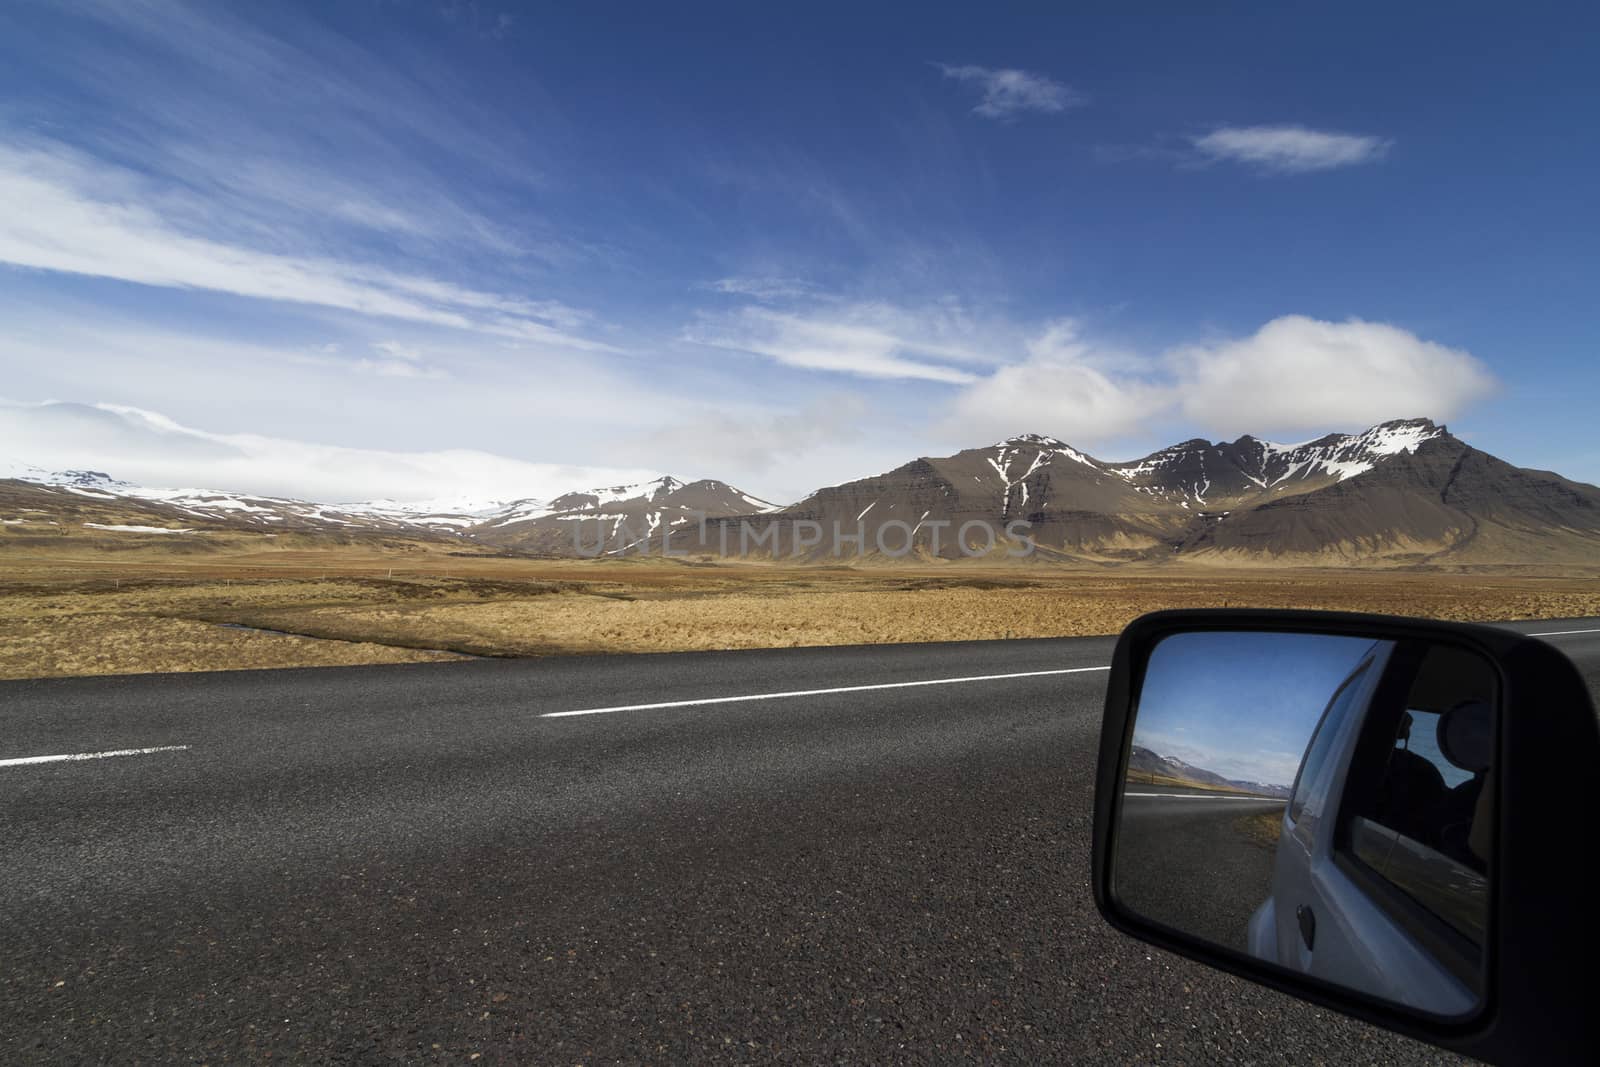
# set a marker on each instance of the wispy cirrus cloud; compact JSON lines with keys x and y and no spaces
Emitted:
{"x":483,"y":21}
{"x":1006,"y":93}
{"x":214,"y":62}
{"x":73,"y":214}
{"x":765,"y":288}
{"x":1289,"y":149}
{"x":867,"y":340}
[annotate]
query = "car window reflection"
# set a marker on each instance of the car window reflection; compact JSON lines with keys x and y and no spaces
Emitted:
{"x":1420,"y":816}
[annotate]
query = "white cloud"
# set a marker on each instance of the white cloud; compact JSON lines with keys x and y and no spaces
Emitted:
{"x":1293,"y":374}
{"x":1008,"y":93}
{"x":396,"y":350}
{"x":1299,"y":373}
{"x":1264,"y":765}
{"x":71,"y":214}
{"x":150,"y":449}
{"x":510,"y":396}
{"x":396,"y":360}
{"x":830,"y":432}
{"x":212,"y":60}
{"x":865,"y":340}
{"x":260,"y":191}
{"x":1066,"y":387}
{"x":1289,"y":149}
{"x":765,"y":288}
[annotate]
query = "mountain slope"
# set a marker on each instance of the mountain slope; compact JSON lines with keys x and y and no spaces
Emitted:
{"x":219,"y":509}
{"x":1077,"y":506}
{"x":1443,"y":501}
{"x":1249,"y":470}
{"x":615,"y":519}
{"x":39,"y":501}
{"x":1401,"y":492}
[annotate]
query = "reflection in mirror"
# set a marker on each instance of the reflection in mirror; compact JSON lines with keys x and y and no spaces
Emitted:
{"x":1320,"y":802}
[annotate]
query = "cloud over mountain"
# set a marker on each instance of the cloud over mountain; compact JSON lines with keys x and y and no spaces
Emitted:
{"x":1294,"y":374}
{"x":1297,"y":373}
{"x":151,"y":449}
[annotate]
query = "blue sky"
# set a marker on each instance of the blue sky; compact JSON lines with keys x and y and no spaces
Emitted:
{"x":366,"y":248}
{"x":1242,"y":705}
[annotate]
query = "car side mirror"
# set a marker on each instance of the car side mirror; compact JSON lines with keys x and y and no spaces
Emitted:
{"x":1384,"y":816}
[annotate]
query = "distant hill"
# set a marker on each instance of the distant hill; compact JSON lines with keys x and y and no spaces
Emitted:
{"x":1143,"y":764}
{"x":617,"y":519}
{"x":1402,"y":493}
{"x":594,"y":521}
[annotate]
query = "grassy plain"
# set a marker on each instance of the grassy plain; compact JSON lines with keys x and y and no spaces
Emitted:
{"x":1138,"y":777}
{"x":1261,"y":828}
{"x":127,"y":603}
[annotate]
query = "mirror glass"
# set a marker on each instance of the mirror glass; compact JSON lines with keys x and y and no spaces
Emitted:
{"x":1324,"y":803}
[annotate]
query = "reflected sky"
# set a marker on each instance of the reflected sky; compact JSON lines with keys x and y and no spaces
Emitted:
{"x":1241,"y":704}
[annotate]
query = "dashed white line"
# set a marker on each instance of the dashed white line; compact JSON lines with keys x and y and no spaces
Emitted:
{"x":23,"y":761}
{"x":1563,"y":633}
{"x":815,"y":692}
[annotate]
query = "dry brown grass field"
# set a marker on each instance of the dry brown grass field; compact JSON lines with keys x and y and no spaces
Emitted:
{"x":1137,"y":777}
{"x":131,"y":603}
{"x":1261,"y":828}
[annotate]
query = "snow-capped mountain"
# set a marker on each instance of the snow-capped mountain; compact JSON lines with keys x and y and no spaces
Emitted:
{"x":455,"y":513}
{"x":617,"y":518}
{"x":219,"y":507}
{"x":1402,"y":491}
{"x":1210,"y":475}
{"x":507,"y":522}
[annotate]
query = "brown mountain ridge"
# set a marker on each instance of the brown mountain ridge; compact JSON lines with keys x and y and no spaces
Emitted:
{"x":1402,"y":492}
{"x":1405,"y":492}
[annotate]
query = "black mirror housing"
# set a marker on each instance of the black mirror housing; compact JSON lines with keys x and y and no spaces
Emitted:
{"x":1542,"y":938}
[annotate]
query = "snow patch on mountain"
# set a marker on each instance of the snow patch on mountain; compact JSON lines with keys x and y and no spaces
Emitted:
{"x":1036,"y":450}
{"x":122,"y":528}
{"x":760,"y":507}
{"x":1190,"y":470}
{"x":453,"y":515}
{"x":1343,"y":456}
{"x":1046,"y":446}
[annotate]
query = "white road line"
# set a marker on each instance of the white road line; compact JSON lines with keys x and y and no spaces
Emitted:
{"x":1562,"y":633}
{"x":23,"y":761}
{"x":1208,"y":796}
{"x":814,"y":692}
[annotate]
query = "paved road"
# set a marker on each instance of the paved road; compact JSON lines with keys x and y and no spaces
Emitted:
{"x":1194,"y":861}
{"x":415,"y":863}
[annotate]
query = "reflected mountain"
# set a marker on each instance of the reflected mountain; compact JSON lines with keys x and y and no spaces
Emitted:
{"x":1151,"y":768}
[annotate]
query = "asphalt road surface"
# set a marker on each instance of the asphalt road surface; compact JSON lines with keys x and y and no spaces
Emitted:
{"x":423,"y":863}
{"x":1188,"y":859}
